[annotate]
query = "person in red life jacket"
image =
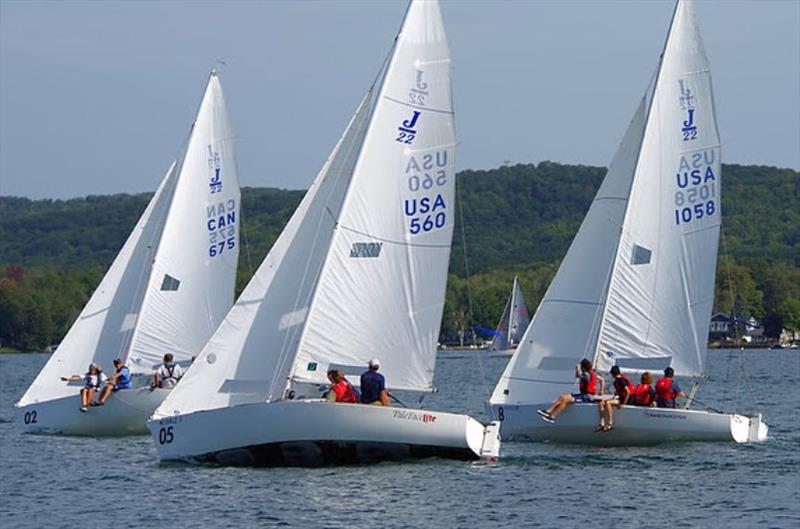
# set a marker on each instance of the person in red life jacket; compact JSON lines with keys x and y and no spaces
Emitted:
{"x":341,"y":390}
{"x":623,"y":391}
{"x":590,"y":387}
{"x":667,"y":390}
{"x":643,"y":393}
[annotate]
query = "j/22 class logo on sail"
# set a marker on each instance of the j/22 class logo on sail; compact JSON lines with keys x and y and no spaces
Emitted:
{"x":686,"y":99}
{"x":215,"y":183}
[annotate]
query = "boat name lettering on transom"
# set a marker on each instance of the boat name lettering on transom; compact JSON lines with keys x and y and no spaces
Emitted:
{"x":419,"y":90}
{"x":215,"y":183}
{"x":221,"y":226}
{"x":414,"y":416}
{"x":686,"y":100}
{"x":407,"y":131}
{"x":695,"y":195}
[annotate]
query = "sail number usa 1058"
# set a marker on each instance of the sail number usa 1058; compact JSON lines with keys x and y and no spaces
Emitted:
{"x":427,"y":176}
{"x":696,"y":192}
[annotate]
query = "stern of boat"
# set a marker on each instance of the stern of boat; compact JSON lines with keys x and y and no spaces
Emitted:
{"x":490,"y":448}
{"x":748,"y":428}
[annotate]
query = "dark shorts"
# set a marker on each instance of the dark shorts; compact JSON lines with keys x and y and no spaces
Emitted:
{"x":117,"y":387}
{"x":583,"y":397}
{"x":665,"y":403}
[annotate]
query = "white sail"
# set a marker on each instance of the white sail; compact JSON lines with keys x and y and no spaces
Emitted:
{"x":191,"y":284}
{"x":104,"y":327}
{"x":352,"y":276}
{"x":635,"y":283}
{"x":382,"y":288}
{"x":514,"y":321}
{"x":240,"y":362}
{"x":662,"y":288}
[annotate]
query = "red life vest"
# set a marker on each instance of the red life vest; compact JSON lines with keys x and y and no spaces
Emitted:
{"x":344,"y":392}
{"x":641,"y":395}
{"x":664,"y":389}
{"x":620,"y":388}
{"x":590,"y":387}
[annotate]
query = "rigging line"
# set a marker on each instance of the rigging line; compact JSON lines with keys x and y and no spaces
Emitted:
{"x":726,"y":255}
{"x":470,"y":314}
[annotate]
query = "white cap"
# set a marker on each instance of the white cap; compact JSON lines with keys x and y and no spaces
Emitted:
{"x":374,"y":363}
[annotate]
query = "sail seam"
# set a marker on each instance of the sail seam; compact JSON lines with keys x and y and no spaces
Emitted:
{"x":451,"y":112}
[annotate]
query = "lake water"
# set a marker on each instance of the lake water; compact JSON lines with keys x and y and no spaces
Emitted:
{"x":49,"y":481}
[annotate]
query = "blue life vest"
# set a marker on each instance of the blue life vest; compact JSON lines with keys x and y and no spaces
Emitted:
{"x":124,"y":381}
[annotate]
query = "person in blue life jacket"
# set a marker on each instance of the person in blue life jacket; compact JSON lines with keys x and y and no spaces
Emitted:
{"x":93,"y":381}
{"x":121,"y":379}
{"x":373,"y":386}
{"x":168,"y":374}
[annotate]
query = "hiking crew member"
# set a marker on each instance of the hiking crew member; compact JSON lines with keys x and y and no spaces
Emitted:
{"x":93,"y":380}
{"x":341,"y":389}
{"x":623,"y":389}
{"x":588,"y":387}
{"x":373,"y":386}
{"x":168,"y":374}
{"x":644,"y":394}
{"x":667,"y":390}
{"x":121,"y":379}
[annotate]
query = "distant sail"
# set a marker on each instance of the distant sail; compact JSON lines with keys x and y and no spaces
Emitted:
{"x":514,"y":321}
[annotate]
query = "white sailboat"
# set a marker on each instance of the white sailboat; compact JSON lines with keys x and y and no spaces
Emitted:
{"x":637,"y":284}
{"x":359,"y":271}
{"x":512,"y":324}
{"x":167,"y":290}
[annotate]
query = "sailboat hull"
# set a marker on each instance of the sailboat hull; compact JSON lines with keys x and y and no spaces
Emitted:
{"x":125,"y":413}
{"x":633,"y":426}
{"x":316,"y":433}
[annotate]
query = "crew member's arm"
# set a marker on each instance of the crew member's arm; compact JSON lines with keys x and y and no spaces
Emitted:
{"x":602,"y":385}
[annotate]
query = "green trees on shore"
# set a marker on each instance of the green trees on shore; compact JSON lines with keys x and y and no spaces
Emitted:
{"x":518,"y":220}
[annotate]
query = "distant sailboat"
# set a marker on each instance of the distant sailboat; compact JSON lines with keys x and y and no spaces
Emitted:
{"x":637,"y":284}
{"x":167,"y":290}
{"x":359,"y":271}
{"x":512,"y":324}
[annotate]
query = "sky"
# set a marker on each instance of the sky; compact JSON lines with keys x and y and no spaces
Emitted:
{"x":98,"y":97}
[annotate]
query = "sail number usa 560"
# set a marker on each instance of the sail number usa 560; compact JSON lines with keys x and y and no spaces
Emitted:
{"x":427,"y":176}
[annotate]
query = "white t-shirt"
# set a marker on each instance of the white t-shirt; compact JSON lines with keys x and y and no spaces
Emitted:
{"x":90,"y":381}
{"x":168,"y":381}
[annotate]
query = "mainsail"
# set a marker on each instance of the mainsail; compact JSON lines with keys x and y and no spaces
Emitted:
{"x":140,"y":309}
{"x":637,"y":283}
{"x":360,"y":269}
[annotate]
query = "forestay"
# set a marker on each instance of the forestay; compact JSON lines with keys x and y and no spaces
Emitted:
{"x":191,"y":285}
{"x":104,"y":327}
{"x":636,"y":285}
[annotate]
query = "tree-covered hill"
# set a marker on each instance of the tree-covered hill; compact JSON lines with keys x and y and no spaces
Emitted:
{"x":518,"y":220}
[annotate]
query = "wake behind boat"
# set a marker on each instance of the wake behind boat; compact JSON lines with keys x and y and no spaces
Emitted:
{"x":359,"y":270}
{"x":166,"y":291}
{"x":636,"y":287}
